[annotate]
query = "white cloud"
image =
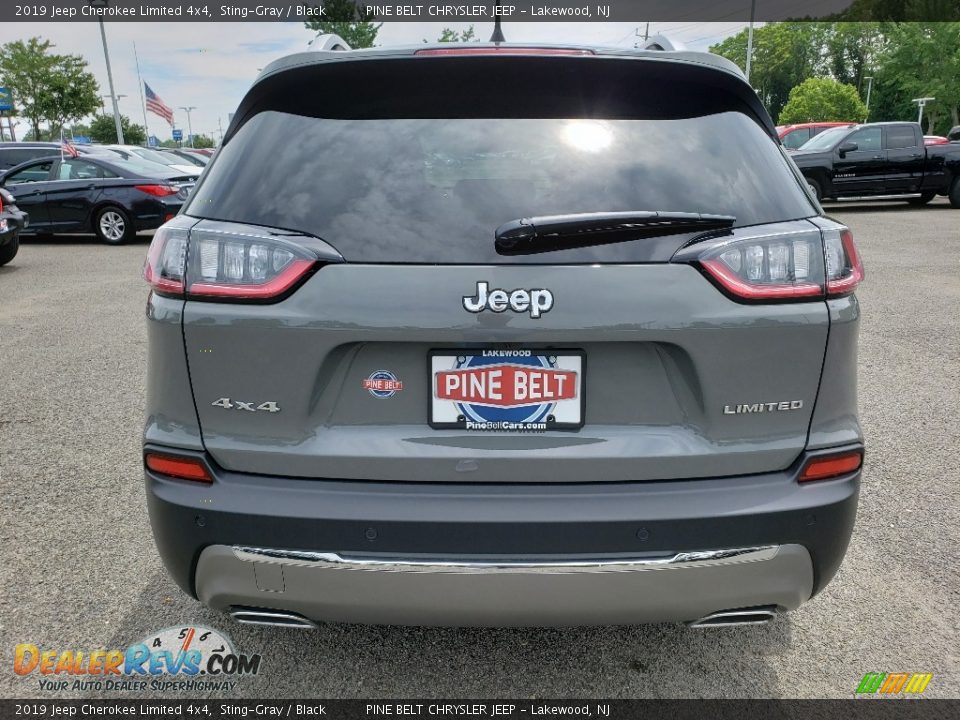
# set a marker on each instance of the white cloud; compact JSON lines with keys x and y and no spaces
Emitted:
{"x":211,"y":65}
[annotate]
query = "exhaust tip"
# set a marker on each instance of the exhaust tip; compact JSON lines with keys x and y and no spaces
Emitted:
{"x":273,"y":618}
{"x":743,"y":616}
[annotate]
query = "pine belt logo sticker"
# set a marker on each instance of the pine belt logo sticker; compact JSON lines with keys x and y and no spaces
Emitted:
{"x":192,"y":658}
{"x":894,"y":683}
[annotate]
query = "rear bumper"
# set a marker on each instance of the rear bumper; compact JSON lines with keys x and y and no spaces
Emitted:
{"x":408,"y":553}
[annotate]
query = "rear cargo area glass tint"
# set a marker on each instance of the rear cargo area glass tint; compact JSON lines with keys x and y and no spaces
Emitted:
{"x":434,"y":190}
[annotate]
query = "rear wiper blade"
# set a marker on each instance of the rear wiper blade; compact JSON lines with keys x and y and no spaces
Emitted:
{"x":548,"y":233}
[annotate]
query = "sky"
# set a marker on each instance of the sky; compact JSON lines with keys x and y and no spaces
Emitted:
{"x":211,"y":65}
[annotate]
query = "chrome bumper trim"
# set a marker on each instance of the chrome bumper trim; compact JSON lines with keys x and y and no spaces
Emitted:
{"x":335,"y":561}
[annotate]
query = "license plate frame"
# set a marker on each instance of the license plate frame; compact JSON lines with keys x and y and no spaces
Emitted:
{"x":571,"y":416}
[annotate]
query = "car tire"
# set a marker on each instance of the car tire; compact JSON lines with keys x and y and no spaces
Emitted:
{"x":113,"y":226}
{"x":923,"y":199}
{"x":9,"y":251}
{"x":955,"y":193}
{"x":815,"y":188}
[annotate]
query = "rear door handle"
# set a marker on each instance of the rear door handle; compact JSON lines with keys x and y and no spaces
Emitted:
{"x":878,"y":157}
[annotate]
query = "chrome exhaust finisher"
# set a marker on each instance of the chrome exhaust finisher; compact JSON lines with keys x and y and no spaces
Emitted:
{"x":275,"y":618}
{"x":731,"y":618}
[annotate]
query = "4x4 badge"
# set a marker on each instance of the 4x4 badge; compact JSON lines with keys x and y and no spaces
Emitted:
{"x":536,"y":301}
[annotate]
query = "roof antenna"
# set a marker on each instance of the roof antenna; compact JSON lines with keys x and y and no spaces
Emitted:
{"x":497,"y":36}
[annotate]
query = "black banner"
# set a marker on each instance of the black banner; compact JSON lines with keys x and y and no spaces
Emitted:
{"x":215,"y":709}
{"x":478,"y":10}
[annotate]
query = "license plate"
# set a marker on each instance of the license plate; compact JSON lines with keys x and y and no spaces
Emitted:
{"x":506,"y":390}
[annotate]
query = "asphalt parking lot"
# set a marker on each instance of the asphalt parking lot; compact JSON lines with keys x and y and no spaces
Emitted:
{"x":80,"y":571}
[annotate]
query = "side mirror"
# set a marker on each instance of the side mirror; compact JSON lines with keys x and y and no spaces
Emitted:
{"x":846,"y":147}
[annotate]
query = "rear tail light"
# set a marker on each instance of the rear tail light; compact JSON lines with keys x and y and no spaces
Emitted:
{"x":205,"y":264}
{"x":179,"y":467}
{"x":844,"y":268}
{"x":157,"y":190}
{"x":783,"y":267}
{"x":775,"y":267}
{"x":243,"y":267}
{"x":830,"y":466}
{"x":166,"y":258}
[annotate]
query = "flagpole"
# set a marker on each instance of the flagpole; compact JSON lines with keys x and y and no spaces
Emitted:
{"x":143,"y":104}
{"x":61,"y":144}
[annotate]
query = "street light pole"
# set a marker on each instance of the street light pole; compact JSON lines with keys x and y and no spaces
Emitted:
{"x":106,"y":57}
{"x":921,"y":102}
{"x":187,"y":109}
{"x":869,"y":80}
{"x":753,"y":9}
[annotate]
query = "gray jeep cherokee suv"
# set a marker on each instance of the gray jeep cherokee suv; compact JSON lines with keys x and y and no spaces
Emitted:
{"x":500,"y":335}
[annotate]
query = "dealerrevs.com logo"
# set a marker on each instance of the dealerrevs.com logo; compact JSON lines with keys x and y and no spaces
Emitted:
{"x":188,"y":659}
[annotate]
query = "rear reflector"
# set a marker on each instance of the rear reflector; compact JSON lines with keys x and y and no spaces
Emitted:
{"x":503,"y":50}
{"x":185,"y":468}
{"x":828,"y":466}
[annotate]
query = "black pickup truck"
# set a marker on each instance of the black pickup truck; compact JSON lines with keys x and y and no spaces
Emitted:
{"x":878,"y":159}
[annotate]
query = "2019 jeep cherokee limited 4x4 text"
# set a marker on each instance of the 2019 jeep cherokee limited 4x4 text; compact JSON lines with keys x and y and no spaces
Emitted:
{"x":502,"y":336}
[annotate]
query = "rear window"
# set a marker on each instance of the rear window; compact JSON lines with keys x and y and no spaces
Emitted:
{"x":434,"y":190}
{"x":9,"y":157}
{"x":902,"y":136}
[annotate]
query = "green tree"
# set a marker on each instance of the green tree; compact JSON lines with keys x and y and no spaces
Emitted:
{"x":103,"y":129}
{"x":784,"y":55}
{"x":203,"y":141}
{"x":853,"y":49}
{"x":49,"y":88}
{"x":450,"y":35}
{"x":923,"y":60}
{"x":823,"y":99}
{"x":349,"y":20}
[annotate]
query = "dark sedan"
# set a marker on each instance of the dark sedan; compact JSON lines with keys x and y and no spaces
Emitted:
{"x":112,"y":198}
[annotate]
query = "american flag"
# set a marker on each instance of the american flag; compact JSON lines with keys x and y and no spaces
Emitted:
{"x":67,"y":147}
{"x":157,"y":106}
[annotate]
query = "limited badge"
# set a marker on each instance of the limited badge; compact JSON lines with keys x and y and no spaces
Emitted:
{"x":383,"y":384}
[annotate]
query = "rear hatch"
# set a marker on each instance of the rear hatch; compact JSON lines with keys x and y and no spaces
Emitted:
{"x":411,"y":349}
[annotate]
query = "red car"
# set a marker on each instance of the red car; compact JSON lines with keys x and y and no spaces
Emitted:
{"x":935,"y":140}
{"x":793,"y":136}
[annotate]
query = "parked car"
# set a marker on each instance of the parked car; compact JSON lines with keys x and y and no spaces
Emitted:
{"x":15,"y":153}
{"x":191,"y":156}
{"x":114,"y":198}
{"x":793,"y":136}
{"x":135,"y":152}
{"x":954,"y":134}
{"x":12,"y":221}
{"x":879,"y":159}
{"x":934,"y":140}
{"x":502,"y":345}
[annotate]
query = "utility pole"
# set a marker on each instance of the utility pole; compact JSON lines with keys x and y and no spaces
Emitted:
{"x":187,"y":109}
{"x":106,"y":57}
{"x":753,"y":10}
{"x":220,"y":128}
{"x":921,"y":103}
{"x":869,"y":80}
